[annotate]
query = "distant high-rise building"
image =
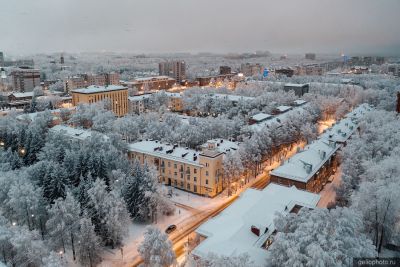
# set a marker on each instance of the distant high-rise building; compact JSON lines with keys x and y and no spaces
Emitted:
{"x":398,"y":102}
{"x":25,"y":79}
{"x":174,"y":69}
{"x":62,"y":59}
{"x":225,"y":70}
{"x":1,"y":59}
{"x":311,"y":56}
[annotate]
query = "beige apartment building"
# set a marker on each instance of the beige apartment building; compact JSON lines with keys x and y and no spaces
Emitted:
{"x":199,"y":172}
{"x":175,"y":102}
{"x":25,"y":79}
{"x":84,"y":80}
{"x":118,"y":95}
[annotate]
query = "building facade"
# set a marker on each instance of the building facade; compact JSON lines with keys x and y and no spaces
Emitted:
{"x":310,"y":56}
{"x":247,"y":225}
{"x":84,"y":80}
{"x":311,"y":168}
{"x":299,"y":89}
{"x":152,"y":83}
{"x":173,"y":69}
{"x":25,"y":79}
{"x":199,"y":172}
{"x":118,"y":95}
{"x":251,"y":69}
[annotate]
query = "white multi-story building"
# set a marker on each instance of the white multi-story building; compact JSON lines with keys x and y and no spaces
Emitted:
{"x":247,"y":226}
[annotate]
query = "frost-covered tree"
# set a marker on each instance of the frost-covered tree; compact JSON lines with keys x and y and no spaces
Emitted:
{"x":54,"y":260}
{"x":319,"y":237}
{"x":233,"y":168}
{"x":108,"y":213}
{"x":214,"y":260}
{"x":24,"y":202}
{"x":140,"y":193}
{"x":88,"y":245}
{"x":63,"y":223}
{"x":156,"y":249}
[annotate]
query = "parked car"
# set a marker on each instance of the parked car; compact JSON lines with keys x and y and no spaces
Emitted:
{"x":170,"y":229}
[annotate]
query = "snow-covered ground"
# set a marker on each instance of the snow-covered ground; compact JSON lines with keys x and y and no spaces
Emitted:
{"x":195,"y":201}
{"x":135,"y":237}
{"x":328,"y":194}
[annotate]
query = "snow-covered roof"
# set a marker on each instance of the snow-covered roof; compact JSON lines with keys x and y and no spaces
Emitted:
{"x":98,"y":89}
{"x":299,"y":102}
{"x":283,"y":108}
{"x":303,"y":165}
{"x":139,"y":97}
{"x":346,"y":80}
{"x":261,"y":117}
{"x":22,"y":95}
{"x":221,"y":145}
{"x":75,"y":133}
{"x":167,"y":151}
{"x":234,"y":98}
{"x":340,"y":131}
{"x":277,"y":119}
{"x":169,"y":94}
{"x":154,"y":78}
{"x":229,"y":233}
{"x":359,"y":111}
{"x":33,"y":115}
{"x":296,"y":84}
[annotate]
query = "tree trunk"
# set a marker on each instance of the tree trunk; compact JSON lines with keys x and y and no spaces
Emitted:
{"x":73,"y":246}
{"x":381,"y":240}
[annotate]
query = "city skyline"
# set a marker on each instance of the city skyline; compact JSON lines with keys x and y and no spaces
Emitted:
{"x":358,"y":26}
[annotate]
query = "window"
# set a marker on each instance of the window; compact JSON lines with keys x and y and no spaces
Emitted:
{"x":175,"y":183}
{"x":195,"y":170}
{"x":195,"y":188}
{"x":206,"y":181}
{"x":188,"y":186}
{"x":195,"y":178}
{"x":169,"y":164}
{"x":182,"y":184}
{"x":175,"y":166}
{"x":206,"y":173}
{"x":207,"y":164}
{"x":175,"y":173}
{"x":181,"y":175}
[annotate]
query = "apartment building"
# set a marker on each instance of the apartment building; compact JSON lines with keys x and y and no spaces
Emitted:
{"x":311,"y":168}
{"x":175,"y":102}
{"x":74,"y":82}
{"x":247,"y":225}
{"x":199,"y":172}
{"x":173,"y":69}
{"x":251,"y":69}
{"x":25,"y":79}
{"x":84,"y":80}
{"x":310,"y":56}
{"x":152,"y":83}
{"x":138,"y":103}
{"x":118,"y":95}
{"x":299,"y":89}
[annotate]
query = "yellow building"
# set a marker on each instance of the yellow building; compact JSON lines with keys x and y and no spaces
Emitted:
{"x":175,"y":102}
{"x":199,"y":172}
{"x":118,"y":95}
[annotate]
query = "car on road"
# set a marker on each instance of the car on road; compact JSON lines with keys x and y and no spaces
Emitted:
{"x":170,"y":229}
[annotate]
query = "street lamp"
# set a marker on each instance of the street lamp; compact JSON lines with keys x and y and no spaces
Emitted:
{"x":22,"y":151}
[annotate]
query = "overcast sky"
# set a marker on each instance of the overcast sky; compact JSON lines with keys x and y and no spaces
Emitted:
{"x":289,"y":26}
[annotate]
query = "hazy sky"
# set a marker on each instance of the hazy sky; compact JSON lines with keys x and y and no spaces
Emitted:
{"x":283,"y":26}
